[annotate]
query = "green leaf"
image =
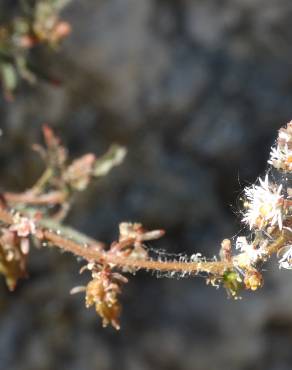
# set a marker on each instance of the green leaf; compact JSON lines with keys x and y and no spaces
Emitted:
{"x":9,"y":77}
{"x":113,"y":157}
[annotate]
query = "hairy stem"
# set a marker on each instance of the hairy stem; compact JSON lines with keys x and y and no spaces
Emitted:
{"x":89,"y":253}
{"x":92,"y":250}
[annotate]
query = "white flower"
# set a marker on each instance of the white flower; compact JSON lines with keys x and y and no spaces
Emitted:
{"x":265,"y":206}
{"x":281,"y":157}
{"x":286,"y":259}
{"x":253,"y":253}
{"x":284,"y":136}
{"x":23,"y":226}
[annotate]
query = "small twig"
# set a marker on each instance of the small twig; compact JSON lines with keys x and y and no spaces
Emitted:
{"x":29,"y":197}
{"x":94,"y":252}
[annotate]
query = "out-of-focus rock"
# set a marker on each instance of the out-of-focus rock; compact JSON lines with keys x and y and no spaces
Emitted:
{"x":196,"y":91}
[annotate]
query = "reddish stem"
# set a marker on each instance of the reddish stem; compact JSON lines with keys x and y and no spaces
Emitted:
{"x":54,"y":197}
{"x":93,"y":252}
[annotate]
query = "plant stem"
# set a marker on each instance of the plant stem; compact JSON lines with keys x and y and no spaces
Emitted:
{"x":91,"y":250}
{"x":29,"y":197}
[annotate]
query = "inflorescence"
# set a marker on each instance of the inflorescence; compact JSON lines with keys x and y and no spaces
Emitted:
{"x":35,"y":217}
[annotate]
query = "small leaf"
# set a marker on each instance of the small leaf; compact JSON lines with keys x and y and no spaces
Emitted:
{"x":9,"y":77}
{"x":232,"y":283}
{"x":113,"y":157}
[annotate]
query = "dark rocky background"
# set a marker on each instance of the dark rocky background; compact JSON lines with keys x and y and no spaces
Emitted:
{"x":196,"y":90}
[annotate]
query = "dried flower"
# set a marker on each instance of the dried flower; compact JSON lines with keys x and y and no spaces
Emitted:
{"x":136,"y":231}
{"x":253,"y":280}
{"x":102,"y":291}
{"x":12,"y":258}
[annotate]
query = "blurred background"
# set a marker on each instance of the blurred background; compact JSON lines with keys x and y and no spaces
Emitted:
{"x":196,"y":90}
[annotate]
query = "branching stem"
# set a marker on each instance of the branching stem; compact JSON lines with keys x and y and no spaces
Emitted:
{"x":94,"y":252}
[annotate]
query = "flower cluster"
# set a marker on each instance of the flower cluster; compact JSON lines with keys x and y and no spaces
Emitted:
{"x":102,"y":291}
{"x":105,"y":287}
{"x":281,"y":154}
{"x":268,"y":205}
